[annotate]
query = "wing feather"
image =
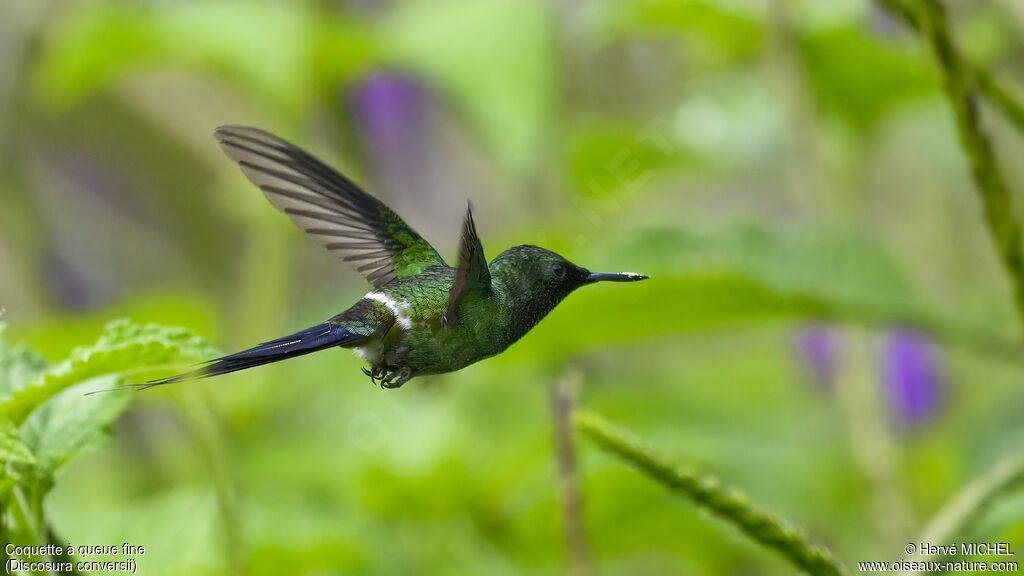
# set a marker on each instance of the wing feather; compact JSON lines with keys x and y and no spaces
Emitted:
{"x":329,"y":206}
{"x":472,"y":277}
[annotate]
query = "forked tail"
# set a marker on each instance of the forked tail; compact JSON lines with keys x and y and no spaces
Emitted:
{"x":319,"y":337}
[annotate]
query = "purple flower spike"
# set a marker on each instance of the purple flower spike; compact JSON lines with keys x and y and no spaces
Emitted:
{"x":818,"y":346}
{"x":388,"y":105}
{"x":390,"y":112}
{"x":912,"y":376}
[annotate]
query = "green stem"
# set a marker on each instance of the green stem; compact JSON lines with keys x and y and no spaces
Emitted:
{"x":563,"y":400}
{"x":30,"y":517}
{"x":1000,"y":95}
{"x":996,"y":91}
{"x":204,"y":424}
{"x":872,"y":446}
{"x":929,"y":18}
{"x":728,"y":504}
{"x":968,"y":504}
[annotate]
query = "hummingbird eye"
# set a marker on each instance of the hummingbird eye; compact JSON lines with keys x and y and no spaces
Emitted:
{"x":558,"y":269}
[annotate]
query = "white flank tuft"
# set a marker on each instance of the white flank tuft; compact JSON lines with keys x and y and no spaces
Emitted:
{"x":399,"y":310}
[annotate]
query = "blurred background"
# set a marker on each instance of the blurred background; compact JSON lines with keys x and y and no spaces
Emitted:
{"x":827,"y":326}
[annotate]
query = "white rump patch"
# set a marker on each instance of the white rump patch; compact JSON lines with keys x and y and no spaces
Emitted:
{"x":399,"y":309}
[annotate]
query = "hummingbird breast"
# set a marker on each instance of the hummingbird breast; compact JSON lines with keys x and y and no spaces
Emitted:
{"x":413,"y":336}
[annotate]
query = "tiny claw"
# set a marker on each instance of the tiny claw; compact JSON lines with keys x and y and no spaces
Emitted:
{"x":403,"y":376}
{"x":371,"y":373}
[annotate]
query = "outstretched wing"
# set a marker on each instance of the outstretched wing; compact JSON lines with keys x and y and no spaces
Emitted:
{"x":329,"y":207}
{"x":472,"y":278}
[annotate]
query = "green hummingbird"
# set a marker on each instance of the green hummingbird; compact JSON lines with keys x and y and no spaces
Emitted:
{"x":422,"y":316}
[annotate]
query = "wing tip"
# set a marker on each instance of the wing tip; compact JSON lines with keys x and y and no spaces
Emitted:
{"x":229,"y":131}
{"x":468,"y":224}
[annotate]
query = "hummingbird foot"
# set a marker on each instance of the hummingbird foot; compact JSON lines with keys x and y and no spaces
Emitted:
{"x":396,"y":379}
{"x":386,"y":378}
{"x":377,"y":373}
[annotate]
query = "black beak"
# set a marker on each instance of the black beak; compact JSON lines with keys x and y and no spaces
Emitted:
{"x":619,"y":277}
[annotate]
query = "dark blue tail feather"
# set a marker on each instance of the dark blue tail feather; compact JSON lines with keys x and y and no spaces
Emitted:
{"x":320,"y":337}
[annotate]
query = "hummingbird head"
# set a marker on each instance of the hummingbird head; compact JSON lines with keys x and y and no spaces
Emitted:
{"x":543,"y":271}
{"x":536,"y":280}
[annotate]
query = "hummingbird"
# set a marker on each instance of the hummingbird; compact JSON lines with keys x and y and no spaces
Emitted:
{"x":422,"y":316}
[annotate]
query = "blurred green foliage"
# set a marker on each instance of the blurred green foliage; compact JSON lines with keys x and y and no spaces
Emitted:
{"x":769,"y":164}
{"x":46,"y":420}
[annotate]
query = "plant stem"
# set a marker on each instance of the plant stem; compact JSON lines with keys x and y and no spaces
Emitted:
{"x":871,"y":444}
{"x":563,"y":400}
{"x":728,"y":504}
{"x":204,"y":424}
{"x":930,"y":20}
{"x":1001,"y":96}
{"x":997,"y":92}
{"x":29,"y":515}
{"x":971,"y":501}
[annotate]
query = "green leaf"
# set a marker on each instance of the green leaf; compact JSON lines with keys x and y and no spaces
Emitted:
{"x":18,"y":366}
{"x":123,"y":346}
{"x":71,"y":423}
{"x":661,"y":305}
{"x":741,"y":275}
{"x":608,"y":160}
{"x":266,"y":50}
{"x":860,"y":77}
{"x":837,"y":270}
{"x":12,"y":449}
{"x":711,"y":31}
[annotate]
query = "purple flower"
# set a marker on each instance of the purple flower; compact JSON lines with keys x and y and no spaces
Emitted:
{"x":818,"y":347}
{"x":912,"y":377}
{"x":388,"y":105}
{"x":390,"y":111}
{"x":397,"y":116}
